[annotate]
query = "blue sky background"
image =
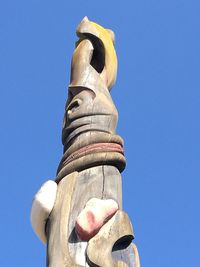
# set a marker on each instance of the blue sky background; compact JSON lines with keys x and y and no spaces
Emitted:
{"x":158,"y":98}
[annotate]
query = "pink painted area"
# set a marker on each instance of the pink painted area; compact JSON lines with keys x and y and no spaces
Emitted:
{"x":95,"y":148}
{"x":95,"y":214}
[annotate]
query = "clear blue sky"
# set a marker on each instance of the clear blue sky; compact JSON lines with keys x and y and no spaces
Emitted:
{"x":158,"y":98}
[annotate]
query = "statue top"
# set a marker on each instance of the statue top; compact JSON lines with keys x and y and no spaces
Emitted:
{"x":90,"y":120}
{"x":97,"y":54}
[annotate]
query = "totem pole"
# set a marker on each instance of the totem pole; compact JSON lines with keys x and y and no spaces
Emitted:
{"x":79,"y":215}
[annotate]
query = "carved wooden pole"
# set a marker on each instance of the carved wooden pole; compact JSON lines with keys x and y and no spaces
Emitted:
{"x":87,"y":226}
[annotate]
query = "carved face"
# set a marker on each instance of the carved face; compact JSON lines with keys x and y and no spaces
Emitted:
{"x":87,"y":110}
{"x":90,"y":118}
{"x":89,"y":106}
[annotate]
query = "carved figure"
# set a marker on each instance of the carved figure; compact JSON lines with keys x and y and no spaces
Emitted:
{"x":81,"y":214}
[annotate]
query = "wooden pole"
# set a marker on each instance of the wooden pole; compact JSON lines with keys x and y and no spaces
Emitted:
{"x":87,"y":226}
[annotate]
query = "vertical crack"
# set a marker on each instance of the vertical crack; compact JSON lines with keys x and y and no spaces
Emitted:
{"x":103,"y":182}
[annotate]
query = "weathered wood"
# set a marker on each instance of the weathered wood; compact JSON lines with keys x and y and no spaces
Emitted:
{"x":91,"y":146}
{"x":57,"y":227}
{"x":99,"y":249}
{"x":92,"y":162}
{"x":127,"y":255}
{"x":91,"y":183}
{"x":90,"y":118}
{"x":64,"y":246}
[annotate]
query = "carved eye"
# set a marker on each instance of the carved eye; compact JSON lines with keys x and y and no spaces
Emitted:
{"x":71,"y":104}
{"x":74,"y":105}
{"x":122,"y":243}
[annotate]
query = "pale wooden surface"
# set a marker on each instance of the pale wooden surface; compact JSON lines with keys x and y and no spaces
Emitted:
{"x":57,"y":227}
{"x":93,"y":182}
{"x":92,"y":161}
{"x":99,"y":250}
{"x":74,"y":190}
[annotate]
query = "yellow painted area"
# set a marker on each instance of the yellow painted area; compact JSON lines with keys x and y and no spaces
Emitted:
{"x":110,"y":70}
{"x":110,"y":55}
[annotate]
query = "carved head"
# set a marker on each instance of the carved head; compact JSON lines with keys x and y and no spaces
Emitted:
{"x":93,"y":72}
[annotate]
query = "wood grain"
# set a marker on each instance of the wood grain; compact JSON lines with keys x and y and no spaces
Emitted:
{"x":93,"y":160}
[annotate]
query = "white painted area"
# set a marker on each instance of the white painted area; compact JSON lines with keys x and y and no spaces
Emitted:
{"x":42,"y":206}
{"x":77,"y":252}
